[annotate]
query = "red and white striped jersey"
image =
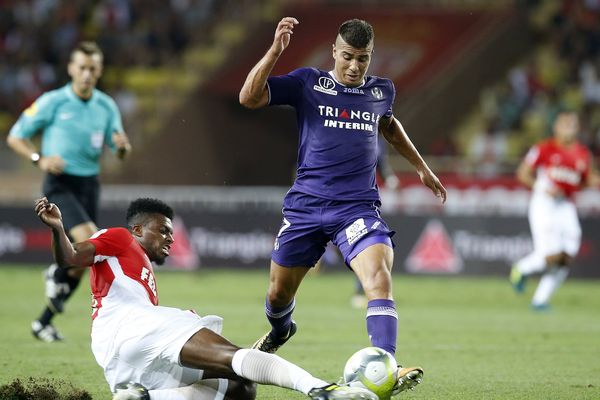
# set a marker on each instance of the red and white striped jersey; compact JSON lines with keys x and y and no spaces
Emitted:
{"x":121,"y":275}
{"x":558,"y":166}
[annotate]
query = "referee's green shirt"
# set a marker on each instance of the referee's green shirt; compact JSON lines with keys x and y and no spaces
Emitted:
{"x":72,"y":128}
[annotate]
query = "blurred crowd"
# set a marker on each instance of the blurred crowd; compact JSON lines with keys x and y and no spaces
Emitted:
{"x":562,"y":72}
{"x":36,"y":37}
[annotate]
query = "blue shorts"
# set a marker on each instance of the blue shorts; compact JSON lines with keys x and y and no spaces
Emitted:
{"x":310,"y":222}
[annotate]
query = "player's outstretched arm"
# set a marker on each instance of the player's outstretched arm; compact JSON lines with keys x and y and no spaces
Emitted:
{"x":394,"y":133}
{"x":525,"y":174}
{"x":24,"y":147}
{"x":78,"y":255}
{"x":254,"y":93}
{"x":593,"y":177}
{"x":121,"y":141}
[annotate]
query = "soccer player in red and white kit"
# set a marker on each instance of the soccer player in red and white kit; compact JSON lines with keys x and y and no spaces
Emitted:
{"x":153,"y":352}
{"x":555,"y":169}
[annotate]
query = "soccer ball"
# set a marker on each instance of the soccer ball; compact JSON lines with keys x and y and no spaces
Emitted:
{"x":374,"y":369}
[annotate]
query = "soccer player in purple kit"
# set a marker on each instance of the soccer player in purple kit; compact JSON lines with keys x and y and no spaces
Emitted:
{"x":335,"y":196}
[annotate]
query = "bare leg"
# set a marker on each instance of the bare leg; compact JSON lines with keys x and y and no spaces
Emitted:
{"x":219,"y":358}
{"x":284,"y":283}
{"x":551,"y":280}
{"x":373,"y":267}
{"x":280,"y":304}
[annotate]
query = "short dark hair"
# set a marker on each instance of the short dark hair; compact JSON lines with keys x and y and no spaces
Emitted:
{"x":140,"y":209}
{"x":357,"y":33}
{"x":88,"y":48}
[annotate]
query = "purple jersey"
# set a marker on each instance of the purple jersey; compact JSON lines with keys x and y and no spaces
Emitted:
{"x":338,"y":126}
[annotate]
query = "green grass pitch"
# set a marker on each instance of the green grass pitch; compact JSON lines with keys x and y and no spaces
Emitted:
{"x":474,"y":337}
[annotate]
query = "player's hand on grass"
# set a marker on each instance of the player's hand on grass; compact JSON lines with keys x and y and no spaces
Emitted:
{"x":54,"y":165}
{"x":283,"y":34}
{"x":429,"y":179}
{"x":48,"y":213}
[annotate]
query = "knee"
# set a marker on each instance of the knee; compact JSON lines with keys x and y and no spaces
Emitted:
{"x":565,"y":260}
{"x":377,"y":282}
{"x":561,"y":259}
{"x":241,"y":390}
{"x":555,"y":259}
{"x":280,"y":292}
{"x":279,"y":296}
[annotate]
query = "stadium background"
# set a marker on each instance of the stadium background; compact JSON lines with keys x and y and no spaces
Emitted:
{"x":477,"y":83}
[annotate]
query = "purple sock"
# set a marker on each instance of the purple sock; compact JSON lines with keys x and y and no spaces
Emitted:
{"x":382,"y":324}
{"x":280,"y":317}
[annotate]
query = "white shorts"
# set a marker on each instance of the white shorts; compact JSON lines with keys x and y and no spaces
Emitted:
{"x":554,"y":225}
{"x":146,"y":346}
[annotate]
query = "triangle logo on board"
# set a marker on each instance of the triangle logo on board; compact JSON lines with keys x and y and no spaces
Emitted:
{"x":434,"y":252}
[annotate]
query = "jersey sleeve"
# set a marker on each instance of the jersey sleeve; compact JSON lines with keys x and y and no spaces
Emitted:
{"x":392,"y":97}
{"x":533,"y":158}
{"x":35,"y":118}
{"x":115,"y":123}
{"x":110,"y":242}
{"x":287,"y":89}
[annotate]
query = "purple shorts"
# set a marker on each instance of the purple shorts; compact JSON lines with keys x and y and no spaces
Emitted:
{"x":310,"y":222}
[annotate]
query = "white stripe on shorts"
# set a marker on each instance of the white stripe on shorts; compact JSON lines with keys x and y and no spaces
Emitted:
{"x":223,"y":383}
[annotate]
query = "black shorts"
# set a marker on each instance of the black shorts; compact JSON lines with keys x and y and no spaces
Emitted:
{"x":76,"y":196}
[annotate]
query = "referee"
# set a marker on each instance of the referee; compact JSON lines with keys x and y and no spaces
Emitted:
{"x":75,"y":123}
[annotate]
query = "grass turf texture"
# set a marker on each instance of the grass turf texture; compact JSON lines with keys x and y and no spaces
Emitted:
{"x":475,"y":338}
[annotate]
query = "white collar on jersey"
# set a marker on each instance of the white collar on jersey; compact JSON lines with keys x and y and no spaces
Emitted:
{"x":332,"y":74}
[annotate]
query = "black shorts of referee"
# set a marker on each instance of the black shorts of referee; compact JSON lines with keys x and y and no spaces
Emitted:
{"x":76,"y":196}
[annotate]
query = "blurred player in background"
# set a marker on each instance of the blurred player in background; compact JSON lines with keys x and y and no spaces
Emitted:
{"x":384,"y":168}
{"x":152,"y":352}
{"x":335,"y":196}
{"x":555,"y":169}
{"x":75,"y":123}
